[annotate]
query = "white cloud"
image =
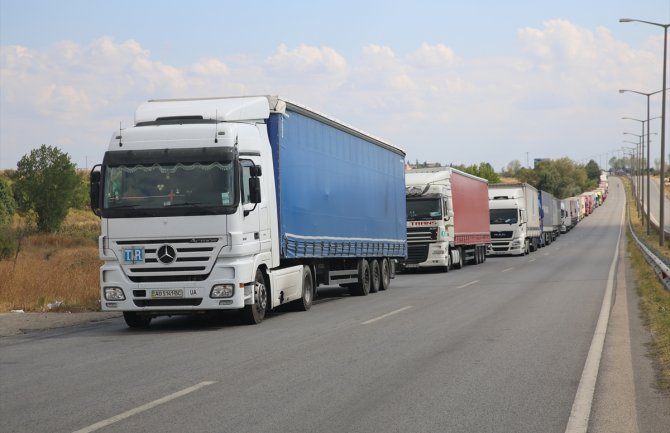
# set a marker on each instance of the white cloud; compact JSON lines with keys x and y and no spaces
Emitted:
{"x":557,"y":98}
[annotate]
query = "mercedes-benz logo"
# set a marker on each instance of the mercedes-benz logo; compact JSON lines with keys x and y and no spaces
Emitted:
{"x":166,"y":254}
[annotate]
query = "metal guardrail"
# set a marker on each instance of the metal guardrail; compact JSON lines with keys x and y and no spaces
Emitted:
{"x":660,"y":267}
{"x":658,"y":262}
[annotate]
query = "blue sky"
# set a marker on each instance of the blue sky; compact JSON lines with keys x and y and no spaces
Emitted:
{"x":451,"y":82}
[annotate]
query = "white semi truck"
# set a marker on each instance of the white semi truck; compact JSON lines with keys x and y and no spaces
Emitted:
{"x":243,"y":204}
{"x":447,"y":218}
{"x":515,"y":219}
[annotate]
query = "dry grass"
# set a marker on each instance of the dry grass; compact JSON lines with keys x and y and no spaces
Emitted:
{"x":60,"y":267}
{"x":654,"y":297}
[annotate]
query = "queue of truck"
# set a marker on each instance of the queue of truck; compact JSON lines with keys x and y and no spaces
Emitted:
{"x":250,"y":203}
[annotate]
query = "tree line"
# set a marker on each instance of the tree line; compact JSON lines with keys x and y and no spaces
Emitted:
{"x":561,"y":177}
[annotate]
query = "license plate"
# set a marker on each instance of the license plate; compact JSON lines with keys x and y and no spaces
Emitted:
{"x":411,"y":265}
{"x":167,"y":293}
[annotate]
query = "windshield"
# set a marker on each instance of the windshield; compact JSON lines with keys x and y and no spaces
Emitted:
{"x":424,"y":210}
{"x":169,"y":189}
{"x":504,"y":216}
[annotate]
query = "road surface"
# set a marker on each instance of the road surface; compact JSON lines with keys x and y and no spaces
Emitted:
{"x":499,"y":347}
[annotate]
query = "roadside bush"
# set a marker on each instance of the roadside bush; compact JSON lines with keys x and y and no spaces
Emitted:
{"x":9,"y":241}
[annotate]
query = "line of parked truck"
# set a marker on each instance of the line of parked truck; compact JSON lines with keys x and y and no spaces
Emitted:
{"x":251,"y":203}
{"x":455,"y":218}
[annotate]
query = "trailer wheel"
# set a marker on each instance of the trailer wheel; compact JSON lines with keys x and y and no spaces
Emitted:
{"x":362,"y":288}
{"x":305,"y":301}
{"x":255,"y":313}
{"x":385,"y":275}
{"x":136,"y":320}
{"x":375,"y":276}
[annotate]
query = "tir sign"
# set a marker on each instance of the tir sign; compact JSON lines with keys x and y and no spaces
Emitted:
{"x":133,"y":255}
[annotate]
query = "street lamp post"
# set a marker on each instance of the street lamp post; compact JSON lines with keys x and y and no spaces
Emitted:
{"x":648,"y":154}
{"x":639,"y":151}
{"x":635,"y":167}
{"x":661,"y":223}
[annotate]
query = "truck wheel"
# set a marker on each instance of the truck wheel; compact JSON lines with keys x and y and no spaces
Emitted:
{"x":460,"y":263}
{"x":385,"y":275}
{"x":254,"y":314}
{"x":362,"y":288}
{"x":305,"y":301}
{"x":375,"y":274}
{"x":135,"y":320}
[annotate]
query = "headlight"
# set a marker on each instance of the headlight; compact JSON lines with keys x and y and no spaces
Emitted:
{"x":114,"y":294}
{"x":222,"y":291}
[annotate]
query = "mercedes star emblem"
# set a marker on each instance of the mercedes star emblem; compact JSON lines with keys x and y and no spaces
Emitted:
{"x":166,"y":254}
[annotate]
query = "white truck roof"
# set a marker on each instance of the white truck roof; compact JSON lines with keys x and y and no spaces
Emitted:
{"x":239,"y":109}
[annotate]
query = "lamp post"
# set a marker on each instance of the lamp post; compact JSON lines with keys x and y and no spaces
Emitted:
{"x":648,"y":154}
{"x":635,"y":169}
{"x":638,"y":164}
{"x":661,"y":224}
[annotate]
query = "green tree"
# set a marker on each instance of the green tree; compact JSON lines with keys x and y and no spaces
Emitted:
{"x":46,"y":181}
{"x":81,"y":196}
{"x":484,"y":170}
{"x":7,"y":203}
{"x":593,"y":170}
{"x":513,"y":168}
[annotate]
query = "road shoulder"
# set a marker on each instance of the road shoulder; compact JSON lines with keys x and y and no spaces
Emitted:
{"x":12,"y":324}
{"x":626,"y":398}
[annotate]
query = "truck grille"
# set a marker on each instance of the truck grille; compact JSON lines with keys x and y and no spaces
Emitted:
{"x":421,"y":234}
{"x":501,"y":235}
{"x":188,"y":259}
{"x":417,"y":253}
{"x":500,"y":246}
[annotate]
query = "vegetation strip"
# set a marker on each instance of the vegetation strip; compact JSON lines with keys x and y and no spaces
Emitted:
{"x":654,"y":299}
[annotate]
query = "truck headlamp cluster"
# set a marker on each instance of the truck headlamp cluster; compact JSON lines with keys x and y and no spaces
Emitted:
{"x":222,"y":291}
{"x":114,"y":294}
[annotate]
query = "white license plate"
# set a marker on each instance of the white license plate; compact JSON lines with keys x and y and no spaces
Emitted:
{"x":167,"y":293}
{"x":411,"y":265}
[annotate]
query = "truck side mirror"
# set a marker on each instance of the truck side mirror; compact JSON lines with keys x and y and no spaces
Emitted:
{"x":254,"y":189}
{"x":255,"y":171}
{"x":94,"y":193}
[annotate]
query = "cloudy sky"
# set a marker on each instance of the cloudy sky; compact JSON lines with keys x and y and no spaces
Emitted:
{"x":449,"y":81}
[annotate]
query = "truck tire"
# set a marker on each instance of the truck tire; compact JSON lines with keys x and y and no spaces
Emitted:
{"x":305,"y":301}
{"x":362,"y":288}
{"x":136,"y":320}
{"x":375,"y":276}
{"x":385,"y":275}
{"x":255,"y":313}
{"x":460,"y":263}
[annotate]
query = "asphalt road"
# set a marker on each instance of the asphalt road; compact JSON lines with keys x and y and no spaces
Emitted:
{"x":498,"y":347}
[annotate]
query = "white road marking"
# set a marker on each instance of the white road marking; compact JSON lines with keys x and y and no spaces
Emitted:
{"x":546,"y":254}
{"x":144,"y":407}
{"x":508,"y":269}
{"x":581,"y":407}
{"x":468,"y":284}
{"x":531,"y":260}
{"x":383,"y":316}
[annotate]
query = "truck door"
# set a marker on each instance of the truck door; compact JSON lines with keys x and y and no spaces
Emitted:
{"x":251,"y":224}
